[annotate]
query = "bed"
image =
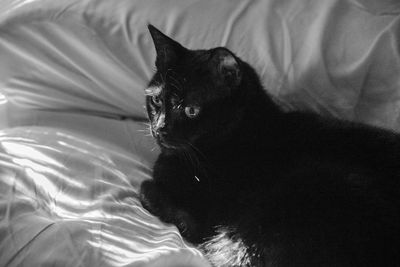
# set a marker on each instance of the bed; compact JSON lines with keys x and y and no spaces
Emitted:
{"x":73,"y":141}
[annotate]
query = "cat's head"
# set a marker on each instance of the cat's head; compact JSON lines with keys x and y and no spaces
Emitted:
{"x":194,"y":94}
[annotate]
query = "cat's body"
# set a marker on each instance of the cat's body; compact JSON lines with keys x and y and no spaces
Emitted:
{"x":256,"y":186}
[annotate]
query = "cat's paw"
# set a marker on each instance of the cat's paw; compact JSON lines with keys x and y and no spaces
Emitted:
{"x":150,"y":197}
{"x":157,"y":202}
{"x":187,"y":226}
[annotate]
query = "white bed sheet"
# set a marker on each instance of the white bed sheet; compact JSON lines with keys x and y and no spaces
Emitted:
{"x":337,"y":57}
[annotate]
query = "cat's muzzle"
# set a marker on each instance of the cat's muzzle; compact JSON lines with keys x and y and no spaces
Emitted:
{"x":162,"y":139}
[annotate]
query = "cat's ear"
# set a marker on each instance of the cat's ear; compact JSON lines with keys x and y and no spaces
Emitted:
{"x":227,"y":67}
{"x":167,"y":49}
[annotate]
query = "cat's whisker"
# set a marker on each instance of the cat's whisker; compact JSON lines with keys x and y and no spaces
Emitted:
{"x":196,"y":149}
{"x":147,"y":129}
{"x":193,"y":160}
{"x":176,"y":81}
{"x":190,"y":160}
{"x":175,"y":86}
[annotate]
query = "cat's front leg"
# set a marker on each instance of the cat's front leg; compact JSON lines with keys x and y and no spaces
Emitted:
{"x":157,"y":200}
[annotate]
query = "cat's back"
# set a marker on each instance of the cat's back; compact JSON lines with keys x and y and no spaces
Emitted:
{"x":324,"y":193}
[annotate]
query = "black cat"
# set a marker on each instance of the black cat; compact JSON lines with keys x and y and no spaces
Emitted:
{"x":256,"y":186}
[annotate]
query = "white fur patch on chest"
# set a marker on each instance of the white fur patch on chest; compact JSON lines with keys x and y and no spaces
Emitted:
{"x":224,"y":251}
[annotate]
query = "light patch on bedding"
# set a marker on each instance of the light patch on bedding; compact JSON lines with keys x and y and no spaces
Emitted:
{"x":223,"y":250}
{"x":153,"y":90}
{"x":3,"y":99}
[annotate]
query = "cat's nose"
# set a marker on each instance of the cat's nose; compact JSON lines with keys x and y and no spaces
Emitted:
{"x":161,"y":133}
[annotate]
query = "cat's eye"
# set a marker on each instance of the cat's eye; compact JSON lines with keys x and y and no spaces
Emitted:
{"x":156,"y":100}
{"x":192,"y":111}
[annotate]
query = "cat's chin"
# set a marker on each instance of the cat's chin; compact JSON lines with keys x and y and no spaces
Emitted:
{"x":167,"y":145}
{"x":173,"y":146}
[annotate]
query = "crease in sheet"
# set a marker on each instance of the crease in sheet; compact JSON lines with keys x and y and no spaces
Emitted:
{"x":233,"y":18}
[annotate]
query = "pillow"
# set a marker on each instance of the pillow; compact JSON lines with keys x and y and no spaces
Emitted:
{"x":95,"y":56}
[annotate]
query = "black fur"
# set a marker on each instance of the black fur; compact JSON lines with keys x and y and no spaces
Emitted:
{"x":256,"y":186}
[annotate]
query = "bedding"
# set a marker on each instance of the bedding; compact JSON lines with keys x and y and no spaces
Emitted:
{"x":73,"y":144}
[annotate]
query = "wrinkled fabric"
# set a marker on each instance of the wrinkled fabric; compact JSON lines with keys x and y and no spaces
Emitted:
{"x":66,"y":200}
{"x":336,"y":57}
{"x":73,"y":145}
